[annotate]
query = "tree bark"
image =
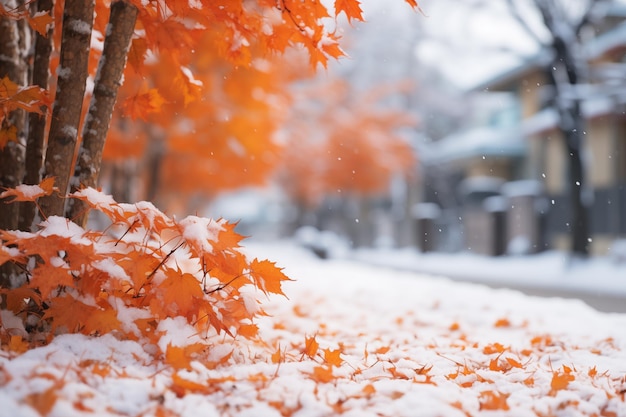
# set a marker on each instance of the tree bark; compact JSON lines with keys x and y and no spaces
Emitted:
{"x":108,"y":79}
{"x":66,"y":112}
{"x":36,"y":122}
{"x":564,"y":74}
{"x":13,"y":49}
{"x":12,"y":66}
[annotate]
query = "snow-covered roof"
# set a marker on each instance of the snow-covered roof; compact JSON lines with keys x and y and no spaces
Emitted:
{"x":548,"y":118}
{"x":484,"y":141}
{"x":522,"y":188}
{"x":594,"y":48}
{"x":501,"y":79}
{"x":481,"y":184}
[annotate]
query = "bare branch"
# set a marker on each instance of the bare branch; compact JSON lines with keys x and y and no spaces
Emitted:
{"x":596,"y":10}
{"x":515,"y":13}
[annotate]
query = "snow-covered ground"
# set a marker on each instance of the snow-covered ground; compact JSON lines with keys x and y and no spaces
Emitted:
{"x":601,"y":281}
{"x":352,"y":339}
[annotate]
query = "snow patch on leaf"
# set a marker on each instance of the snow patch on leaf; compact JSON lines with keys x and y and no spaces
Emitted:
{"x":200,"y":231}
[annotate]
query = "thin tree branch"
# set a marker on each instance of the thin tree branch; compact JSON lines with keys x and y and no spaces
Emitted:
{"x":515,"y":13}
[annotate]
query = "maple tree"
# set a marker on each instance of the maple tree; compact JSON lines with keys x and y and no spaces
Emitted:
{"x":217,"y":64}
{"x":163,"y":32}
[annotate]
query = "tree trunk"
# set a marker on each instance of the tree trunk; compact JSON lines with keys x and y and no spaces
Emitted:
{"x":66,"y":112}
{"x":154,"y":161}
{"x":12,"y":66}
{"x":13,"y":47}
{"x":108,"y":80}
{"x":580,"y":211}
{"x":571,"y":126}
{"x":564,"y":74}
{"x":36,"y":122}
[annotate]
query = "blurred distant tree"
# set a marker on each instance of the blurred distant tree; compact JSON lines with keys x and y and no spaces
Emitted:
{"x":564,"y":23}
{"x":556,"y":29}
{"x":341,"y":142}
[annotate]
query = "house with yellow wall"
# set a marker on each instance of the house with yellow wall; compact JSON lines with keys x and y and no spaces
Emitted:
{"x":521,"y":146}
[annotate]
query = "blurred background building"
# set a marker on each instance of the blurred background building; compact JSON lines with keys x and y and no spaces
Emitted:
{"x":493,"y":97}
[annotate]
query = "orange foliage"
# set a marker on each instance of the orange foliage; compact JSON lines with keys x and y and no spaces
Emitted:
{"x":29,"y":192}
{"x":210,"y":85}
{"x":343,"y":141}
{"x":493,"y":400}
{"x":310,"y":347}
{"x":210,"y":78}
{"x":12,"y":97}
{"x":151,"y":264}
{"x":560,"y":380}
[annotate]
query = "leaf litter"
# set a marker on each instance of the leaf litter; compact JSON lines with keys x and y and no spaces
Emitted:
{"x":349,"y":340}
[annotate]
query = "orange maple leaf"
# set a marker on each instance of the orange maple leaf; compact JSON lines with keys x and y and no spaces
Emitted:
{"x":7,"y":88}
{"x":40,"y":22}
{"x":323,"y":374}
{"x":332,"y":357}
{"x":494,"y":365}
{"x":502,"y":322}
{"x":181,"y":357}
{"x":101,"y":321}
{"x":181,"y":386}
{"x":352,"y":9}
{"x":141,"y":105}
{"x":29,"y":98}
{"x":137,"y":53}
{"x":493,"y":400}
{"x":190,"y":88}
{"x":560,"y":380}
{"x":227,"y":239}
{"x":43,"y":401}
{"x":25,"y":192}
{"x":48,"y":276}
{"x":310,"y":346}
{"x":14,"y":298}
{"x":248,"y":330}
{"x":181,"y":293}
{"x":68,"y":313}
{"x":414,"y":5}
{"x":278,"y":356}
{"x":267,"y":276}
{"x":369,"y":389}
{"x":494,"y":348}
{"x":514,"y":363}
{"x":17,"y":344}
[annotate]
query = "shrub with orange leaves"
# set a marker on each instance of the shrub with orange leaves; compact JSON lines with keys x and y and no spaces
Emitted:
{"x":145,"y":269}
